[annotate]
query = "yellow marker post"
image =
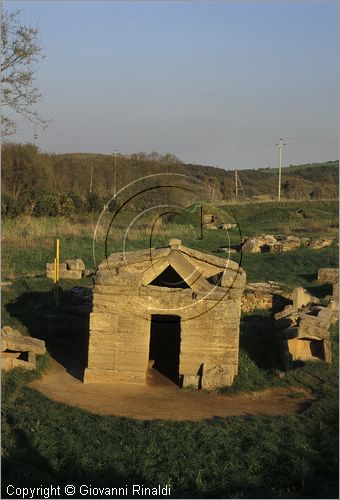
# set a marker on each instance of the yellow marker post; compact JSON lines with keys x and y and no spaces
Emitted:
{"x":58,"y":257}
{"x":56,"y":271}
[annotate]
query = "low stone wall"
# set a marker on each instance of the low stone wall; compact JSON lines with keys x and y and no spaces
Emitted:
{"x":70,"y":269}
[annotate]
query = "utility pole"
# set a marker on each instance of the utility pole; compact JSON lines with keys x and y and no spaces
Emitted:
{"x":236,"y":186}
{"x":280,"y":145}
{"x":91,"y":179}
{"x":115,"y":173}
{"x":35,"y":135}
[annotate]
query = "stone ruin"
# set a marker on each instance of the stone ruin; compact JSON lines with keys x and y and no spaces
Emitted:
{"x":281,"y":243}
{"x":19,"y":351}
{"x":72,"y":269}
{"x":303,"y":327}
{"x":267,"y":295}
{"x":210,"y":222}
{"x":172,"y":309}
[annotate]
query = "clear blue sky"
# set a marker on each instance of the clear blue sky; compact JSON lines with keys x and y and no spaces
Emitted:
{"x":212,"y":82}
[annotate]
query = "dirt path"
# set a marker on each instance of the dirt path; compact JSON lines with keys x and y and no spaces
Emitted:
{"x":161,"y":399}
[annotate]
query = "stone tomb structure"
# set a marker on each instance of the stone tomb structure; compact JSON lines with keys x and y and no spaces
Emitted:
{"x":173,"y":309}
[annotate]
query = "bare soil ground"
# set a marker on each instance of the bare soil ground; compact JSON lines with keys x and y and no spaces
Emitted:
{"x":162,"y":399}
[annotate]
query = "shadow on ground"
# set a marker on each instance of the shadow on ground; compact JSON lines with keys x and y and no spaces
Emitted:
{"x":64,"y":329}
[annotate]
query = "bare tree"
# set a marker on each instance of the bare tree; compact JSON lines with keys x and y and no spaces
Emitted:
{"x":20,"y":52}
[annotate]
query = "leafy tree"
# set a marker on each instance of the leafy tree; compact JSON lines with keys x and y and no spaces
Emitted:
{"x":20,"y":51}
{"x":293,"y":188}
{"x":22,"y":169}
{"x":94,"y":203}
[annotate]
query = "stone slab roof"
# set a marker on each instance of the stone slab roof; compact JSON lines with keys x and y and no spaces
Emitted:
{"x":195,"y":267}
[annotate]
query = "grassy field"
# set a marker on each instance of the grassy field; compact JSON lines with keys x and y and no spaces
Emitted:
{"x":28,"y":243}
{"x":48,"y":443}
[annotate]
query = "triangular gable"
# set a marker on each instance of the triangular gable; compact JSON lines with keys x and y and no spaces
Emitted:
{"x":190,"y":273}
{"x":187,"y":272}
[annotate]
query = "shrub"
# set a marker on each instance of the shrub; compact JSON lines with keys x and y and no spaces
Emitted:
{"x":94,"y":203}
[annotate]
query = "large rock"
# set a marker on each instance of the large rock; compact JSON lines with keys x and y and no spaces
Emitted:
{"x":13,"y":340}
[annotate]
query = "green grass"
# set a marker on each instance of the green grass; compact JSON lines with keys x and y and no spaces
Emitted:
{"x":252,"y":457}
{"x":296,"y":268}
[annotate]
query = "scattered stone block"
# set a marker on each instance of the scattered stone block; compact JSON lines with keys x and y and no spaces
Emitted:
{"x":13,"y":340}
{"x":287,"y":311}
{"x":19,"y":351}
{"x":307,"y":336}
{"x":281,"y":243}
{"x":309,"y":330}
{"x":302,"y":349}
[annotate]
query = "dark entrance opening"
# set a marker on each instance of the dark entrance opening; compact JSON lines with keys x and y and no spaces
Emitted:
{"x":165,"y":339}
{"x":316,"y":349}
{"x":170,"y":278}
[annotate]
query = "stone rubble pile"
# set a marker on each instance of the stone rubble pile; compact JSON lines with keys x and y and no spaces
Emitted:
{"x":19,"y":351}
{"x":303,"y":327}
{"x":281,"y":243}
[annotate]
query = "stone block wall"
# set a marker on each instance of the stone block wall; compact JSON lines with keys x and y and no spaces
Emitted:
{"x":124,"y":306}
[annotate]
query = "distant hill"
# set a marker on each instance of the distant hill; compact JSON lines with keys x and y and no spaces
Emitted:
{"x":34,"y":181}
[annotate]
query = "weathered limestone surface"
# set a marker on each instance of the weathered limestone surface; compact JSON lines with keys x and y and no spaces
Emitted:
{"x":125,"y":303}
{"x":18,"y":351}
